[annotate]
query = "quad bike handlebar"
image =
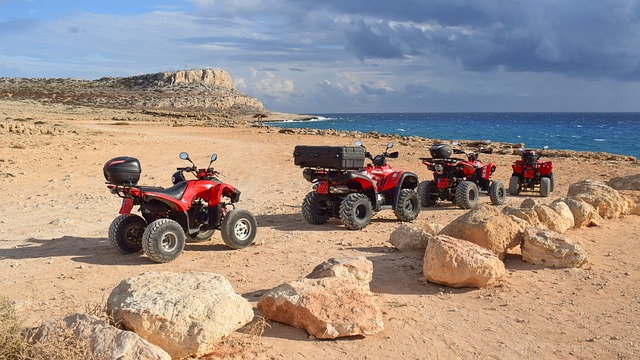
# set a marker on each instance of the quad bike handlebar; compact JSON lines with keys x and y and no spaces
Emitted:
{"x":380,"y":159}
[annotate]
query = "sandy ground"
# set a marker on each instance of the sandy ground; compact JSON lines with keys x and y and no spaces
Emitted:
{"x":55,"y":257}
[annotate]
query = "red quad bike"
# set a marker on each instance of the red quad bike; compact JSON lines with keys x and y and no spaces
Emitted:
{"x":529,"y":172}
{"x":458,"y":180}
{"x":346,"y":189}
{"x":188,"y":211}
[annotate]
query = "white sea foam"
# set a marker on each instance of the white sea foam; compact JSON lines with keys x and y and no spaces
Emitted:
{"x":599,"y":139}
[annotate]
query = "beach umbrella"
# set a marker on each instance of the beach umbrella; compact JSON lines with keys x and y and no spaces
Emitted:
{"x":259,"y":116}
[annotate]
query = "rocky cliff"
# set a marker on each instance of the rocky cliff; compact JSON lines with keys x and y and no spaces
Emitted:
{"x":203,"y":90}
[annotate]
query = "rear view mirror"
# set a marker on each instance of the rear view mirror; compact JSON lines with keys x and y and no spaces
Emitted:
{"x":184,"y":156}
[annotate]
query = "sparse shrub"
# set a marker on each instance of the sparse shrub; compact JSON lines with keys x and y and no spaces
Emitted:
{"x":40,"y":122}
{"x":19,"y":146}
{"x":13,"y":344}
{"x":18,"y":343}
{"x":120,"y":123}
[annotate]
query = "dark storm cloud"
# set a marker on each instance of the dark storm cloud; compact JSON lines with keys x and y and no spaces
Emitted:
{"x":589,"y":39}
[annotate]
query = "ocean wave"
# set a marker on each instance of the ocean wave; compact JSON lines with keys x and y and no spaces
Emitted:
{"x":314,"y":119}
{"x":600,"y":140}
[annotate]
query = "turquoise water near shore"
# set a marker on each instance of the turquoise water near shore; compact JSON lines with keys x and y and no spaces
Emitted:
{"x":617,"y":133}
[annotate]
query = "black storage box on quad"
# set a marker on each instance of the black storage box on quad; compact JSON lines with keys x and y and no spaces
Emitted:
{"x":529,"y":157}
{"x":332,"y":157}
{"x":440,"y":151}
{"x":123,"y":170}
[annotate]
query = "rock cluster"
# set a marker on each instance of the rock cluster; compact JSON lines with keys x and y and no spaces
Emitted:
{"x":333,"y":301}
{"x":468,"y":251}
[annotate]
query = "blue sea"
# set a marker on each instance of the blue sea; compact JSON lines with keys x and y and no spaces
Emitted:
{"x":616,"y":132}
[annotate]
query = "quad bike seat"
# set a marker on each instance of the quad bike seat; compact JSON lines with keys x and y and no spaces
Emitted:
{"x":175,"y":191}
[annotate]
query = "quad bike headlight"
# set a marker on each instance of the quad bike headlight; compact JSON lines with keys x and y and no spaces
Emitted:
{"x":439,"y":169}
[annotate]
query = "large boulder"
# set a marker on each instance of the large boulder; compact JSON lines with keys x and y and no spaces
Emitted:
{"x":185,"y":314}
{"x":549,"y":248}
{"x":557,"y":217}
{"x":629,"y":182}
{"x":358,"y":269}
{"x":606,"y":200}
{"x":103,"y":340}
{"x":326,"y":306}
{"x":407,"y":238}
{"x":633,"y":200}
{"x":460,"y":263}
{"x":584,"y":214}
{"x":487,"y":226}
{"x":527,"y":214}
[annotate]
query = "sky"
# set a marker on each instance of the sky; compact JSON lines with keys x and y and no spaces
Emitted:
{"x":328,"y":56}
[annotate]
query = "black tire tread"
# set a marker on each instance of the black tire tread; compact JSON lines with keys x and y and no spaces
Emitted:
{"x":401,"y":212}
{"x":115,"y":233}
{"x":150,"y":235}
{"x":462,"y":199}
{"x":347,"y":209}
{"x":309,"y":212}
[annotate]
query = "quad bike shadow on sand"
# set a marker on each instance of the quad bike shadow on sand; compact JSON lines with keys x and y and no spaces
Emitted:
{"x":188,"y":211}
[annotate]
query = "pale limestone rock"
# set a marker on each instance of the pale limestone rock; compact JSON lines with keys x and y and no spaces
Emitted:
{"x":527,"y":214}
{"x":606,"y":200}
{"x":185,"y":314}
{"x":584,"y":214}
{"x":358,"y":269}
{"x":488,"y":227}
{"x":333,"y":301}
{"x":554,"y":220}
{"x":432,"y":228}
{"x":459,"y":263}
{"x":406,"y":237}
{"x":633,"y":200}
{"x":629,"y":182}
{"x":549,"y":248}
{"x":562,"y":209}
{"x":104,"y":341}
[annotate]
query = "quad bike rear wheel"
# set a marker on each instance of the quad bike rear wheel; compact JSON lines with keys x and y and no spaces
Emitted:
{"x":552,"y":180}
{"x":428,"y":193}
{"x":315,"y":209}
{"x":467,"y":195}
{"x":163,"y":240}
{"x":408,"y":206}
{"x":497,"y":193}
{"x":514,"y":185}
{"x":356,"y":211}
{"x":125,"y":233}
{"x":238,"y":229}
{"x":545,"y":187}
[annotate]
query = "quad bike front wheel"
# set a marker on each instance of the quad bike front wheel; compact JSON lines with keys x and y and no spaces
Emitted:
{"x":497,"y":193}
{"x":315,"y":208}
{"x":408,"y":206}
{"x":545,"y":186}
{"x":467,"y":195}
{"x":428,"y":193}
{"x":514,"y":185}
{"x":356,"y":211}
{"x":163,"y":240}
{"x":238,"y":229}
{"x":125,"y":233}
